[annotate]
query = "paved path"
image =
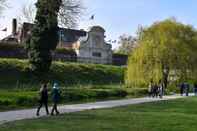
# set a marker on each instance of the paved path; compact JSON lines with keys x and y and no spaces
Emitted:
{"x":31,"y":113}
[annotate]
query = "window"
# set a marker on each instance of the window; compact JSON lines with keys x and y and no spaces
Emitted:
{"x":96,"y":54}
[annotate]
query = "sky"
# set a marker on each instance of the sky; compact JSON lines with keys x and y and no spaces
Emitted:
{"x":119,"y":17}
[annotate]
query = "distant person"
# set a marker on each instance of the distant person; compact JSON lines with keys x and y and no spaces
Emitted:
{"x":182,"y":88}
{"x":195,"y":88}
{"x":150,"y":89}
{"x":155,"y":90}
{"x":187,"y":87}
{"x":55,"y":98}
{"x":160,"y":89}
{"x":43,"y":98}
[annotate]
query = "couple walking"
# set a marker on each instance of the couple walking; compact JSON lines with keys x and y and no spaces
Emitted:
{"x":44,"y":98}
{"x":156,"y":90}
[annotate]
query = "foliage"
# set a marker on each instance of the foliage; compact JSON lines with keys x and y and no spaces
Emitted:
{"x":166,"y":52}
{"x":65,"y":51}
{"x":44,"y":35}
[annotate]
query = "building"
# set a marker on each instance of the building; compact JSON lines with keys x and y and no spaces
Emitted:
{"x":94,"y":49}
{"x":90,"y":46}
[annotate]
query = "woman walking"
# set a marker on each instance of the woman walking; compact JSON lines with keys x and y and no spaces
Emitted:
{"x":43,"y":99}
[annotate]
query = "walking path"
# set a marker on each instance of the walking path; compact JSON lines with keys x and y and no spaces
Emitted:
{"x":31,"y":113}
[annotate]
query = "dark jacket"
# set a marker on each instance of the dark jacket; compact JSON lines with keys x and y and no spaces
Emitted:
{"x":44,"y":95}
{"x":55,"y":95}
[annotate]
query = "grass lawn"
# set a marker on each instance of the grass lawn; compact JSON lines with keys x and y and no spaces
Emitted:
{"x":176,"y":115}
{"x":12,"y":99}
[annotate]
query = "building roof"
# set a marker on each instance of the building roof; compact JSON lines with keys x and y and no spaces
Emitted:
{"x":97,"y":28}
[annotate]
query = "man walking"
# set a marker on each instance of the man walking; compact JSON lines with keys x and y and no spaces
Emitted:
{"x":182,"y":87}
{"x":187,"y":87}
{"x":43,"y":99}
{"x":161,"y":89}
{"x":195,"y":88}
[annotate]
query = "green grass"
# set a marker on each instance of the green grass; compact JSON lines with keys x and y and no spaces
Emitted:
{"x":176,"y":115}
{"x":16,"y":73}
{"x":19,"y":98}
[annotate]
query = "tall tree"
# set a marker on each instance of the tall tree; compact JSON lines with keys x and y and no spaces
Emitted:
{"x":127,"y":44}
{"x":44,"y":35}
{"x":28,"y":13}
{"x":166,"y":51}
{"x":2,"y":5}
{"x":68,"y":16}
{"x":70,"y":13}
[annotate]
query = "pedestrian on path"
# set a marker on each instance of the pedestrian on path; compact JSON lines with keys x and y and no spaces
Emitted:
{"x":187,"y":87}
{"x":43,"y":98}
{"x":182,"y":88}
{"x":150,"y":89}
{"x":161,"y":89}
{"x":55,"y":98}
{"x":195,"y":88}
{"x":155,"y":91}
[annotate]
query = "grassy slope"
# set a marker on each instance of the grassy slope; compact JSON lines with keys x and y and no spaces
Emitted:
{"x":14,"y":73}
{"x":177,"y":115}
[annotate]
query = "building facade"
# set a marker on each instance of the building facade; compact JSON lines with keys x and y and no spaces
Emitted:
{"x":94,"y":49}
{"x":90,"y":46}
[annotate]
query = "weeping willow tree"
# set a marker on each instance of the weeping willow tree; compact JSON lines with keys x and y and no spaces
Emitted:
{"x":166,"y":51}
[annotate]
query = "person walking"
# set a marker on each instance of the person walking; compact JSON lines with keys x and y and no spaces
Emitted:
{"x":55,"y":98}
{"x":161,"y":89}
{"x":43,"y":99}
{"x":195,"y":88}
{"x":187,"y":87}
{"x":182,"y":87}
{"x":155,"y":90}
{"x":150,"y":89}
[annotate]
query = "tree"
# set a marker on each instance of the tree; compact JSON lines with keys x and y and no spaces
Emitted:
{"x":127,"y":44}
{"x":44,"y":35}
{"x":167,"y":50}
{"x":68,"y":15}
{"x":28,"y":13}
{"x":2,"y":5}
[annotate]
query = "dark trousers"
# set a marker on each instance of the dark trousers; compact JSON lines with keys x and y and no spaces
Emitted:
{"x":54,"y":109}
{"x":181,"y":91}
{"x":40,"y":106}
